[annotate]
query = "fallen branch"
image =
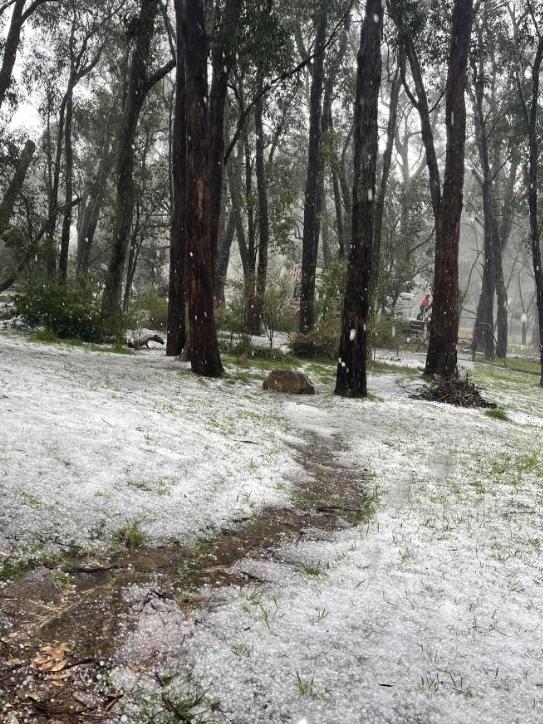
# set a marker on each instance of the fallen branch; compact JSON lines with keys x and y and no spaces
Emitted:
{"x":144,"y":341}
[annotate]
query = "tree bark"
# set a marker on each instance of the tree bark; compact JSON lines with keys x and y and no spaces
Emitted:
{"x":15,"y":186}
{"x":204,"y":349}
{"x":52,"y":201}
{"x":223,"y":259}
{"x":310,"y":242}
{"x":385,"y":173}
{"x":68,"y":189}
{"x":442,"y":354}
{"x":351,"y":370}
{"x":533,"y":201}
{"x":91,"y":204}
{"x":263,"y":219}
{"x":176,"y":336}
{"x":139,"y":85}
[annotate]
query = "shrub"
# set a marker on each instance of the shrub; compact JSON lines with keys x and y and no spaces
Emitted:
{"x":151,"y":310}
{"x":388,"y":332}
{"x":322,"y":342}
{"x":70,"y":310}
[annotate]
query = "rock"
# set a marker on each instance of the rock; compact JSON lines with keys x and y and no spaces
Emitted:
{"x":293,"y":383}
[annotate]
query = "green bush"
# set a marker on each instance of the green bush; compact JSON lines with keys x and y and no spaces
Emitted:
{"x":322,"y":342}
{"x":70,"y":310}
{"x":387,"y":332}
{"x":151,"y":310}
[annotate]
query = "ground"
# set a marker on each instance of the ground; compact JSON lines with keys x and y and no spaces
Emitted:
{"x":252,"y":557}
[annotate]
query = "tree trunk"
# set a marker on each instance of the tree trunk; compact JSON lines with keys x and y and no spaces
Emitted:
{"x":138,"y":87}
{"x":222,"y":58}
{"x":204,"y":349}
{"x":11,"y":47}
{"x":176,"y":337}
{"x":387,"y":159}
{"x":263,"y":219}
{"x":223,"y":259}
{"x":52,"y":201}
{"x":68,"y":189}
{"x":442,"y":354}
{"x":90,"y":206}
{"x":15,"y":186}
{"x":533,"y":160}
{"x":310,"y":242}
{"x":351,"y":370}
{"x":132,"y":258}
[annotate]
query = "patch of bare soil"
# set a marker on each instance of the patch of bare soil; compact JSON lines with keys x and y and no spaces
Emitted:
{"x":58,"y":633}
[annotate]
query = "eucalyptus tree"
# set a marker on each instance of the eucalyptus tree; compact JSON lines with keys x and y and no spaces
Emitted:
{"x":204,"y":159}
{"x":492,"y":95}
{"x":21,"y":12}
{"x":351,"y":370}
{"x":529,"y":43}
{"x":141,"y":32}
{"x":313,"y":186}
{"x":447,"y":199}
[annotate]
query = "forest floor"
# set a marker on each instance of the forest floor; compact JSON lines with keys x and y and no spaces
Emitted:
{"x":178,"y":549}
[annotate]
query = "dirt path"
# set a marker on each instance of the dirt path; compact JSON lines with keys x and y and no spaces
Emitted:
{"x":59,"y":628}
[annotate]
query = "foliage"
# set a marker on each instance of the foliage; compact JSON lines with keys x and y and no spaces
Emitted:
{"x":151,"y":310}
{"x":70,"y":310}
{"x":278,"y":314}
{"x":322,"y":342}
{"x":388,"y":332}
{"x":331,"y":290}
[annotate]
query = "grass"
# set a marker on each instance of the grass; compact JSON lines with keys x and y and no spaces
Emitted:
{"x":305,"y":687}
{"x":46,"y":337}
{"x":312,"y":570}
{"x":498,"y":414}
{"x":11,"y":569}
{"x":131,"y":535}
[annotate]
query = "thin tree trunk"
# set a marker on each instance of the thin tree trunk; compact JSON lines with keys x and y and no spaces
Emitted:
{"x":442,"y":355}
{"x":15,"y":186}
{"x":139,"y":86}
{"x":132,"y":258}
{"x":223,"y":259}
{"x":11,"y":47}
{"x":310,"y":242}
{"x":90,"y":206}
{"x":176,"y":336}
{"x":533,"y":201}
{"x":351,"y":370}
{"x":385,"y":173}
{"x":263,"y":219}
{"x":52,"y":203}
{"x":68,"y":193}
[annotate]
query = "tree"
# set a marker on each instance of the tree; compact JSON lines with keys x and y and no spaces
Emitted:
{"x":351,"y":370}
{"x":310,"y":242}
{"x":22,"y":11}
{"x":140,"y":82}
{"x":176,"y":337}
{"x":530,"y":116}
{"x":442,"y":356}
{"x":204,"y":127}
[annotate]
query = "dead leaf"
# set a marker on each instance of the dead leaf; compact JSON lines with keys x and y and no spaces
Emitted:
{"x":51,"y":658}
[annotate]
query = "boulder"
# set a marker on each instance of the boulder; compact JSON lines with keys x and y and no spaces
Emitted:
{"x":293,"y":383}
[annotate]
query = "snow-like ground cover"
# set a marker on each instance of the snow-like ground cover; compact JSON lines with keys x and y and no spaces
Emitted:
{"x":431,"y":612}
{"x":428,"y":612}
{"x":93,"y":443}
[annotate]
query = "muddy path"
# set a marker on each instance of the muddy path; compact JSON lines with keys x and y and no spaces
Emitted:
{"x":59,"y":628}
